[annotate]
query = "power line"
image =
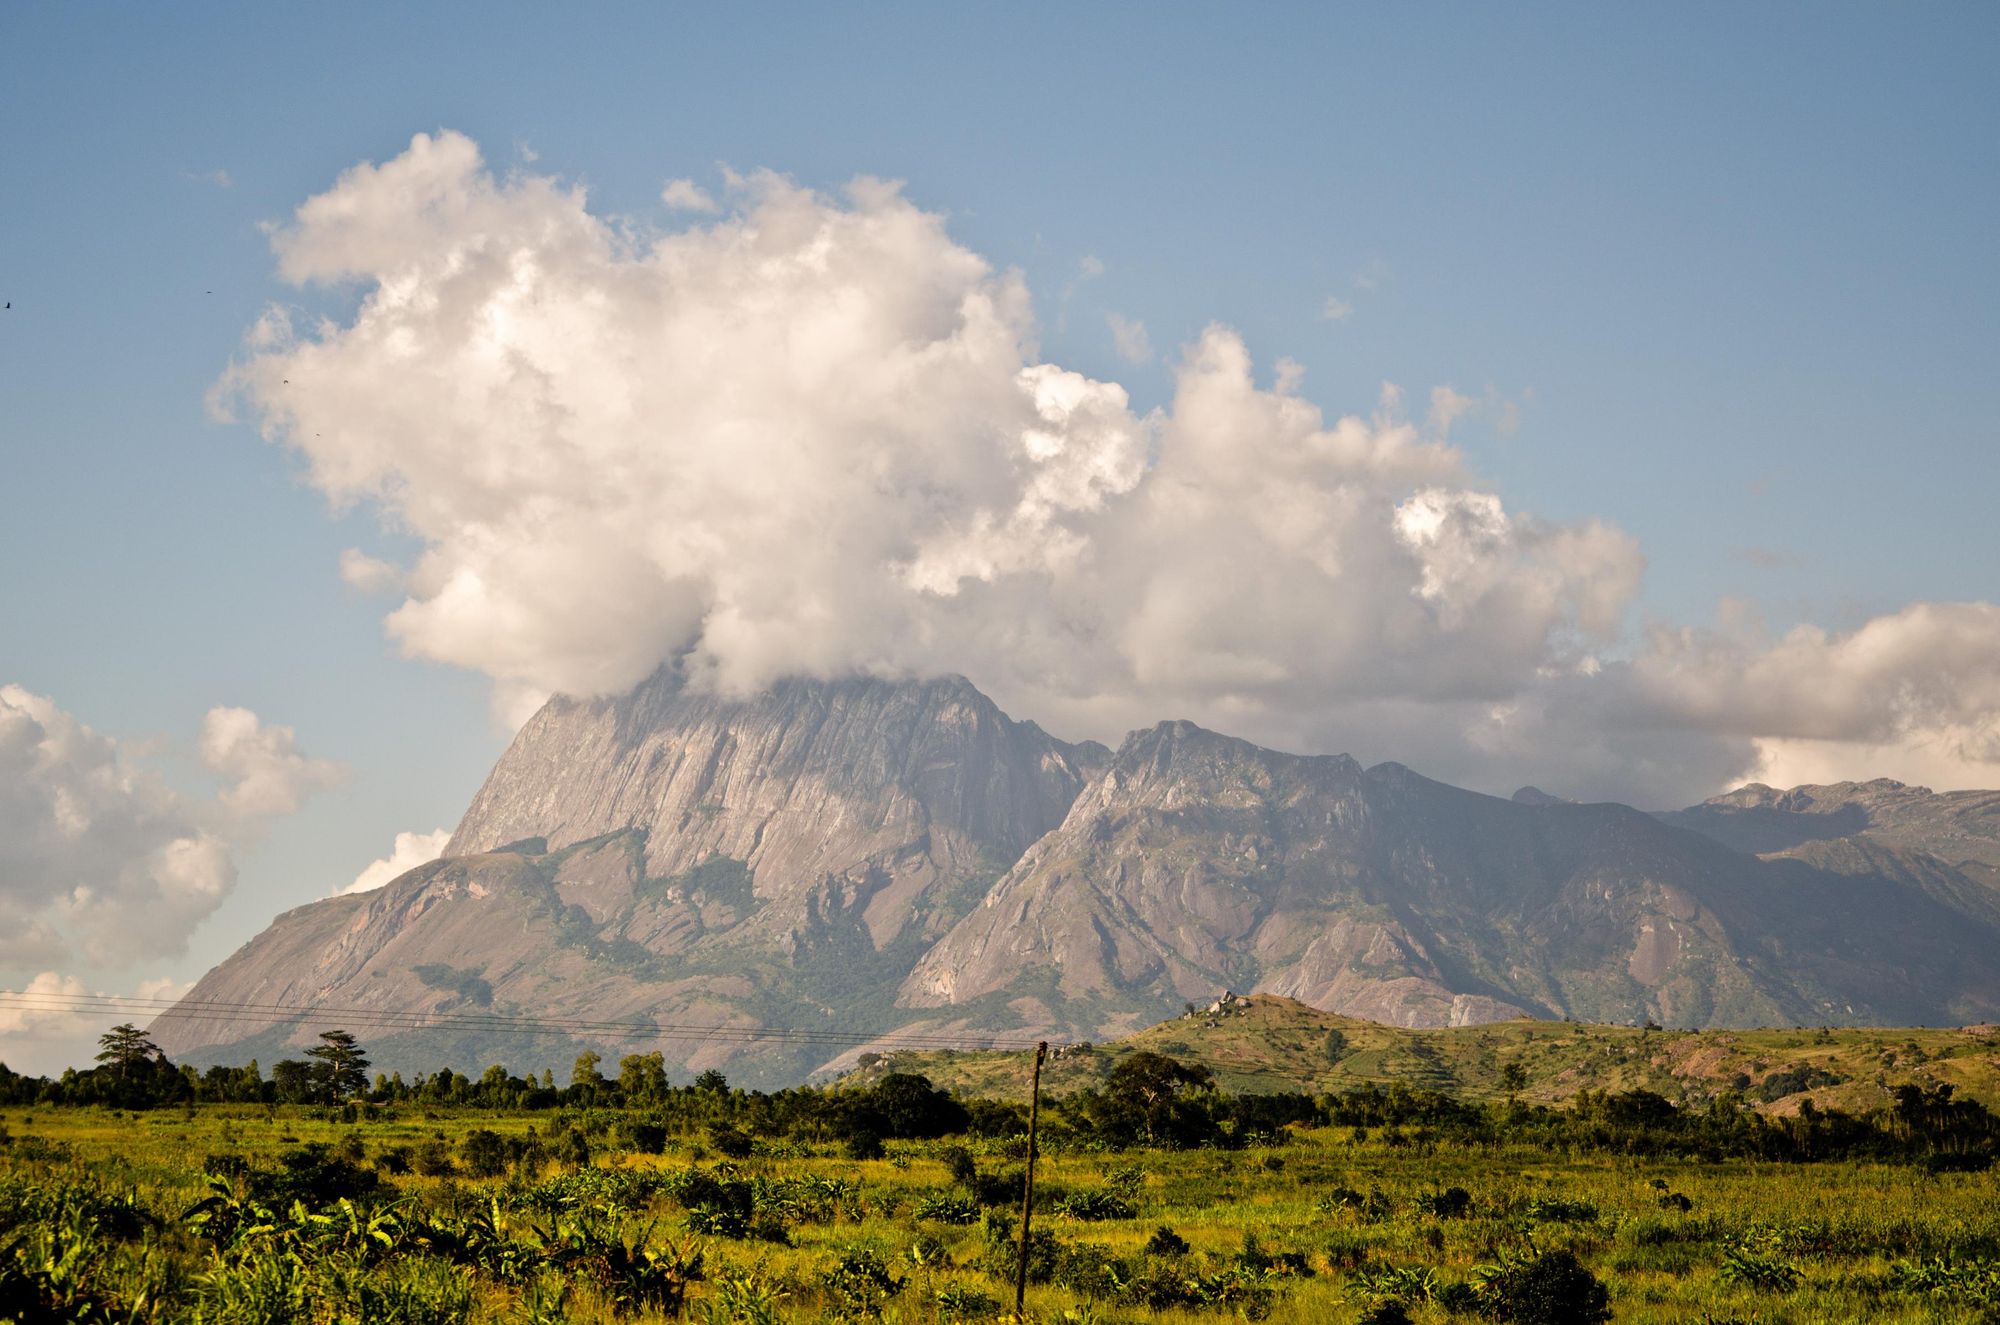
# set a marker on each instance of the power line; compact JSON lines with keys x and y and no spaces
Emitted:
{"x":234,"y":1011}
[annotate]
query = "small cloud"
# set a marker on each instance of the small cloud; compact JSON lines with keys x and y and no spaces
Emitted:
{"x":369,"y":575}
{"x":1336,"y":309}
{"x":527,"y":154}
{"x":1089,"y":267}
{"x":219,"y":178}
{"x":684,"y":195}
{"x":1129,"y":336}
{"x":268,"y":775}
{"x":1448,"y":406}
{"x":410,"y":851}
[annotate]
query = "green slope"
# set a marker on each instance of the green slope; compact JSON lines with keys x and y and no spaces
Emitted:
{"x":1265,"y":1043}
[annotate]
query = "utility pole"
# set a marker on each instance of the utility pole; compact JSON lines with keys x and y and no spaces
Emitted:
{"x":1028,"y":1183}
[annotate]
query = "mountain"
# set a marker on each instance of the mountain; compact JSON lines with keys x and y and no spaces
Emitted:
{"x":1959,"y":828}
{"x":1198,"y":862}
{"x":866,"y":856}
{"x":682,"y":859}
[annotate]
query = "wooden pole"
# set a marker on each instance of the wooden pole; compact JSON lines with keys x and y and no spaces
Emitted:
{"x":1028,"y":1183}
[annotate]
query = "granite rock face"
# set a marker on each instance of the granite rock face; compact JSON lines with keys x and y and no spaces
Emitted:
{"x":862,"y":857}
{"x":861,"y":799}
{"x":1198,"y":862}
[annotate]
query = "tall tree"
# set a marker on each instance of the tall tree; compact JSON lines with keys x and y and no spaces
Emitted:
{"x":127,"y":1051}
{"x":339,"y":1065}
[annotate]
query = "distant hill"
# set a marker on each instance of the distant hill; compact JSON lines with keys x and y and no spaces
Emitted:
{"x":1264,"y":1043}
{"x":1960,"y":828}
{"x":863,"y":857}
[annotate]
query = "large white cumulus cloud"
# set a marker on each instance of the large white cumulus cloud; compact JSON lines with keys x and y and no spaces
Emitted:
{"x":100,"y":855}
{"x":813,"y":434}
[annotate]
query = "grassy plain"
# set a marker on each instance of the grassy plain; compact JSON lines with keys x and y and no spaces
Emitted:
{"x":1317,"y":1228}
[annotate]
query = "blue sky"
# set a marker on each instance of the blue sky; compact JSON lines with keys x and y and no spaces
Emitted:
{"x":1734,"y":266}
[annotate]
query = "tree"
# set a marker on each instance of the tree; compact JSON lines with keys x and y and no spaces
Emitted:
{"x":584,"y":1072}
{"x":127,"y":1052}
{"x":338,"y":1065}
{"x":291,"y":1080}
{"x":642,"y":1078}
{"x":712,"y":1081}
{"x":1146,"y":1094}
{"x":1514,"y":1077}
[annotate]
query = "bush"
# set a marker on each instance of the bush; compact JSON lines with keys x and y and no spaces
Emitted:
{"x":314,"y":1175}
{"x":861,"y":1284}
{"x":646,"y":1138}
{"x":1751,"y":1268}
{"x":1552,"y":1289}
{"x":432,"y":1159}
{"x":958,"y":1162}
{"x":948,"y":1207}
{"x":1166,"y":1242}
{"x":1451,"y":1203}
{"x":1553,"y":1209}
{"x":725,"y":1141}
{"x":486,"y":1154}
{"x":1093,"y":1206}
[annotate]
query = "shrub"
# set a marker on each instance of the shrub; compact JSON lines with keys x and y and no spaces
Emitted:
{"x":1554,"y":1209}
{"x":1166,"y":1242}
{"x":1552,"y":1289}
{"x":486,"y":1154}
{"x":959,"y":1163}
{"x":964,"y":1302}
{"x":946,"y":1207}
{"x":314,"y":1175}
{"x":1451,"y":1203}
{"x":1093,"y":1206}
{"x":432,"y":1159}
{"x":645,"y":1137}
{"x":1745,"y":1265}
{"x":861,"y":1284}
{"x":725,"y":1141}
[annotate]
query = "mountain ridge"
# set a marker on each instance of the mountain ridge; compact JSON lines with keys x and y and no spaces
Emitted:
{"x":874,"y":856}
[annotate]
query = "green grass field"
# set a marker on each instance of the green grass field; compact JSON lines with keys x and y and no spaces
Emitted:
{"x":1322,"y":1227}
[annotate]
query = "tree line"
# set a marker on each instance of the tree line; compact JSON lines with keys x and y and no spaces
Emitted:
{"x":1148,"y":1099}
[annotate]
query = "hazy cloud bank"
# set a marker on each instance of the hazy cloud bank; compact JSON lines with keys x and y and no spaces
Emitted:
{"x":812,"y":434}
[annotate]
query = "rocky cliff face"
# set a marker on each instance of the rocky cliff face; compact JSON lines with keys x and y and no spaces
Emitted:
{"x":869,"y":856}
{"x":886,"y":804}
{"x":1197,"y":862}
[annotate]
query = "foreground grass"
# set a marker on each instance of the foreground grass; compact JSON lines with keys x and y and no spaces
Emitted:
{"x":1319,"y":1228}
